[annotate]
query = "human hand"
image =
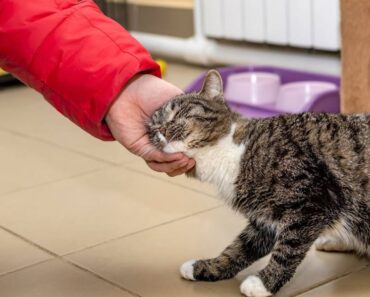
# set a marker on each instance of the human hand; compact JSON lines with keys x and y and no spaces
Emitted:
{"x":127,"y":116}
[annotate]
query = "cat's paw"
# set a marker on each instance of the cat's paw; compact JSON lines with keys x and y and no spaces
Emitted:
{"x":253,"y":286}
{"x":187,"y":270}
{"x":329,"y":243}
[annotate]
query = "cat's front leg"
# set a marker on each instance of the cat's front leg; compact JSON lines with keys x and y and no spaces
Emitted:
{"x":294,"y":241}
{"x":253,"y":243}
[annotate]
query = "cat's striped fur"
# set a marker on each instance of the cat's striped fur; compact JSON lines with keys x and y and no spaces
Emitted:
{"x":294,"y":177}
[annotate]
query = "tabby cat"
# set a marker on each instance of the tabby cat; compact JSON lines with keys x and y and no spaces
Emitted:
{"x":296,"y":178}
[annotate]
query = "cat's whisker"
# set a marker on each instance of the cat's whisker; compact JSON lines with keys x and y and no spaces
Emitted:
{"x":172,"y":138}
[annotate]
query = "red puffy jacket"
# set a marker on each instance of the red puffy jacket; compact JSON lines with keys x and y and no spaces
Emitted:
{"x":79,"y":59}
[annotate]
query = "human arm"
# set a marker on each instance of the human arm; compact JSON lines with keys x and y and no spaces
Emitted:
{"x":81,"y":61}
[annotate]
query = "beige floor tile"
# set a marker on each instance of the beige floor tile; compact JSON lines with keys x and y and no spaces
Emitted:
{"x":182,"y":180}
{"x":148,"y":262}
{"x":354,"y":285}
{"x":80,"y":212}
{"x":26,"y":163}
{"x":56,"y":279}
{"x":15,"y":253}
{"x":25,"y":111}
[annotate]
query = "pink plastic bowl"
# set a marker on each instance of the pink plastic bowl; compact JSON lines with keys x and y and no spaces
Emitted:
{"x":255,"y":88}
{"x":293,"y":97}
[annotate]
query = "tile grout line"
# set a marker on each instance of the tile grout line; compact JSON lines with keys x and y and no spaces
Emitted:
{"x":103,"y":242}
{"x":113,"y":164}
{"x":126,"y":166}
{"x":143,"y":230}
{"x":108,"y":164}
{"x":335,"y":278}
{"x":61,"y":258}
{"x":25,"y":239}
{"x":66,"y":260}
{"x":25,"y":267}
{"x":51,"y":143}
{"x":70,"y":262}
{"x":99,"y":276}
{"x":55,"y":181}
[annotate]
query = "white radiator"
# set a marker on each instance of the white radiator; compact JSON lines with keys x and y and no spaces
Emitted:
{"x":299,"y":23}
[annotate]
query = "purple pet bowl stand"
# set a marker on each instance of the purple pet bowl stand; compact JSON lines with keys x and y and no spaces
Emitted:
{"x":324,"y":102}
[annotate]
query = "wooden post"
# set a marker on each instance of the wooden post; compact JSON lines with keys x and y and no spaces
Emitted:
{"x":355,"y":25}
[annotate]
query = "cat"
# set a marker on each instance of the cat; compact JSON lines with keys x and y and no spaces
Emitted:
{"x":298,"y":179}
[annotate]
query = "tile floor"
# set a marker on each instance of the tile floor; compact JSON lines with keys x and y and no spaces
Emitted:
{"x":79,"y":217}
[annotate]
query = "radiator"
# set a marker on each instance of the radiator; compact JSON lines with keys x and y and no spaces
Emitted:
{"x":298,"y":23}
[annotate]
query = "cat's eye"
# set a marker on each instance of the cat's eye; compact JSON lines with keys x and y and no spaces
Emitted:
{"x":204,"y":119}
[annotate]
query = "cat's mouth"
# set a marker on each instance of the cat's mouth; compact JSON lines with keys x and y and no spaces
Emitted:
{"x":162,"y":141}
{"x":175,"y":147}
{"x":170,"y":147}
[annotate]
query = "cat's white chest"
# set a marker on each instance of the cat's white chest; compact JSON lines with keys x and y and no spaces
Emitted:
{"x":220,"y":164}
{"x":217,"y":164}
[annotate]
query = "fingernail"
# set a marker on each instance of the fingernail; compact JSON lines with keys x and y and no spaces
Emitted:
{"x":191,"y":165}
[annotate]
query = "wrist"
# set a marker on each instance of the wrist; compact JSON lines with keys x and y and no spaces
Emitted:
{"x":125,"y":94}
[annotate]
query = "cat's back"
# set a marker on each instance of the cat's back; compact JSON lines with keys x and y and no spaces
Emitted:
{"x":342,"y":139}
{"x":341,"y":143}
{"x":325,"y":134}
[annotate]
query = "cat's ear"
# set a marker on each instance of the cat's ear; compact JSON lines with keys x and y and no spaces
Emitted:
{"x":212,"y":86}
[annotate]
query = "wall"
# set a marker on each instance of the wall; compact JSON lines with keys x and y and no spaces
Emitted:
{"x":164,"y":17}
{"x":355,"y":56}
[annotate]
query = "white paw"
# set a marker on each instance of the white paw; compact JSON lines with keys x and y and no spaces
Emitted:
{"x":253,"y":286}
{"x":187,"y":270}
{"x":331,"y":243}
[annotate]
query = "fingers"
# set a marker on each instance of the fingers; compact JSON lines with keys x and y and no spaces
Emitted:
{"x":144,"y":149}
{"x":173,"y":168}
{"x":191,"y":164}
{"x":150,"y":153}
{"x":167,"y":166}
{"x":160,"y":157}
{"x":182,"y":170}
{"x":179,"y":171}
{"x":172,"y":164}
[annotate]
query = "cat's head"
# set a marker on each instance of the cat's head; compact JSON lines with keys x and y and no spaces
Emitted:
{"x":192,"y":121}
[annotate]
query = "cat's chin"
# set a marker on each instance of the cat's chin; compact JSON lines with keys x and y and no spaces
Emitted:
{"x":175,"y":147}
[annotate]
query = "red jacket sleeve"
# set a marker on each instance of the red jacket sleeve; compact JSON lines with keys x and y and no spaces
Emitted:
{"x":79,"y":59}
